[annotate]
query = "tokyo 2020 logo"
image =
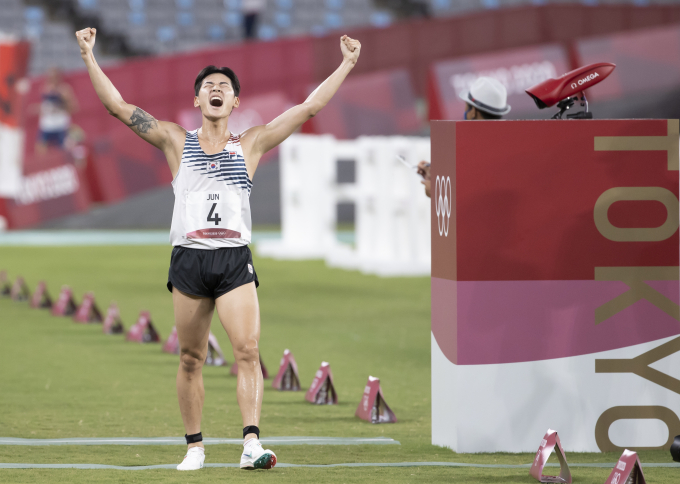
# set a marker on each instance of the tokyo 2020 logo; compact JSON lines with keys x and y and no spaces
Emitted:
{"x":442,"y":200}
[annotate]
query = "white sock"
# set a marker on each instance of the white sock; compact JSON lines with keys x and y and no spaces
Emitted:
{"x":249,"y":442}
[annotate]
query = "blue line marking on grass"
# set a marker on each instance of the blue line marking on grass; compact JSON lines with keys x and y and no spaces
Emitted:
{"x":61,"y":238}
{"x":58,"y":238}
{"x":207,"y":441}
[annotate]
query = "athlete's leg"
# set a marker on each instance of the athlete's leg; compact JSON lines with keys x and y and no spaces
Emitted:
{"x":239,"y":313}
{"x":192,"y":319}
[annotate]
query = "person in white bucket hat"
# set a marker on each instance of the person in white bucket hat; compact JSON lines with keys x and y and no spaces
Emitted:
{"x":486,"y":99}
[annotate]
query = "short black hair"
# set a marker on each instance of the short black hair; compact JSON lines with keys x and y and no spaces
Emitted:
{"x":206,"y":71}
{"x":486,"y":115}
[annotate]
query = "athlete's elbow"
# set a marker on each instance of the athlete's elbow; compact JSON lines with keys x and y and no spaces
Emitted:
{"x":311,"y":108}
{"x":115,"y":109}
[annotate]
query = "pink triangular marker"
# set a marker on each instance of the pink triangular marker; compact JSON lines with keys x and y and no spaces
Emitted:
{"x":287,"y":379}
{"x":549,"y":443}
{"x":628,"y":470}
{"x":5,"y":285}
{"x":88,"y":312}
{"x":143,"y":330}
{"x":19,"y":291}
{"x":322,"y":391}
{"x":112,"y":322}
{"x":215,"y":357}
{"x":171,"y":344}
{"x":41,"y":298}
{"x":65,"y":305}
{"x":373,"y":407}
{"x":234,"y":369}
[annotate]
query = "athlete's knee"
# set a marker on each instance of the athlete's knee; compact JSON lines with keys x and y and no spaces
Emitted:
{"x":247,"y":352}
{"x":191,"y":361}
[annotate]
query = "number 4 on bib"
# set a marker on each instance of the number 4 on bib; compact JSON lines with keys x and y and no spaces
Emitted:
{"x":213,"y":215}
{"x":216,"y":217}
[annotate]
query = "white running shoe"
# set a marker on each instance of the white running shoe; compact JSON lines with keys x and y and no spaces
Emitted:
{"x":193,"y":460}
{"x":255,"y":457}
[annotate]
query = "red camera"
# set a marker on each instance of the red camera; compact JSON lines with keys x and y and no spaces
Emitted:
{"x":564,"y":90}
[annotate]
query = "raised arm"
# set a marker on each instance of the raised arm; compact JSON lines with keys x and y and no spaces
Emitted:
{"x":158,"y":133}
{"x":261,"y":139}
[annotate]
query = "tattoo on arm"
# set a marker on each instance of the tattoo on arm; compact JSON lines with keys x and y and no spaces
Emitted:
{"x":142,"y":121}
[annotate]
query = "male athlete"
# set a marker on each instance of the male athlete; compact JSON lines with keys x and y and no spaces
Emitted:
{"x":211,"y":265}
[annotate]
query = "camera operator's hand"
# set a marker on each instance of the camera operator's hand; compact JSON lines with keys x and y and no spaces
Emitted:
{"x":424,"y":171}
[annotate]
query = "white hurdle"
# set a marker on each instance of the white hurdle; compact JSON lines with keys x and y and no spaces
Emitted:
{"x":392,"y":213}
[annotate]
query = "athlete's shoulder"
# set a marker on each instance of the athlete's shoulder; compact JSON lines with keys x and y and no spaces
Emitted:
{"x":248,"y":137}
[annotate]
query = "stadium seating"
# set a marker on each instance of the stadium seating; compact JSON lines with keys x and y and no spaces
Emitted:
{"x":160,"y":26}
{"x":166,"y":26}
{"x":52,"y":41}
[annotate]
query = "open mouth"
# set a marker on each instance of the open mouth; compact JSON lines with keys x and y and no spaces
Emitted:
{"x":216,"y":101}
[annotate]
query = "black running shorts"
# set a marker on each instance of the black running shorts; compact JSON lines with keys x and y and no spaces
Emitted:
{"x":210,"y":273}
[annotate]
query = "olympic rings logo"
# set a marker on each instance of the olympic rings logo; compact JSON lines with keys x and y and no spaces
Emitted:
{"x":442,"y":198}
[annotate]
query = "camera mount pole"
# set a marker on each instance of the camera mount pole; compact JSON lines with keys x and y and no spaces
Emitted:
{"x":567,"y":103}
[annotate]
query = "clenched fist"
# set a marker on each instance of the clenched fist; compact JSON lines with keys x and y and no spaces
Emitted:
{"x":350,"y":48}
{"x":86,"y":40}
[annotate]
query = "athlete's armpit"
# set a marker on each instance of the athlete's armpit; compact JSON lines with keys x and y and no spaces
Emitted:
{"x":142,"y":121}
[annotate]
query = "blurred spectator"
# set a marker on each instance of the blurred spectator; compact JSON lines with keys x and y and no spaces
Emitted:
{"x":406,"y":8}
{"x":57,"y":104}
{"x":251,"y":12}
{"x":486,"y":99}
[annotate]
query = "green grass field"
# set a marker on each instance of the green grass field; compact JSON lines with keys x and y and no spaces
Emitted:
{"x":60,"y":379}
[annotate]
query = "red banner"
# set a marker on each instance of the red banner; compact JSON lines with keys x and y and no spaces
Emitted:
{"x":13,"y":64}
{"x":647,"y":61}
{"x":517,"y":70}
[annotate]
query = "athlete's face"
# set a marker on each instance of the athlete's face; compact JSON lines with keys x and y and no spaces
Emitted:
{"x":216,"y":96}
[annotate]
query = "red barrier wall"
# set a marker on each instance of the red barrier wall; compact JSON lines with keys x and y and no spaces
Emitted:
{"x":380,"y":103}
{"x":52,"y":188}
{"x":162,"y":86}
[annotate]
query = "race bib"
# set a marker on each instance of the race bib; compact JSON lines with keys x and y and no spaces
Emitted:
{"x":213,"y":215}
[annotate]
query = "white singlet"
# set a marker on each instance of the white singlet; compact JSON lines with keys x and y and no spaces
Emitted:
{"x":212,"y":197}
{"x":53,"y":114}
